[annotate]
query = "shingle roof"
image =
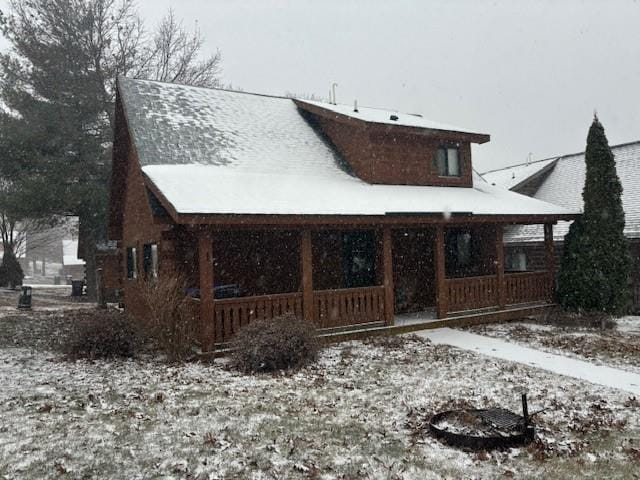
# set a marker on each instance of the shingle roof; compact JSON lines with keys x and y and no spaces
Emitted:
{"x":510,"y":177}
{"x":563,"y":186}
{"x":218,"y":151}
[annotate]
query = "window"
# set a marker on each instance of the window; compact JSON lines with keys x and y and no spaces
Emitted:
{"x":448,"y":161}
{"x":150,"y":259}
{"x":458,"y":247}
{"x":463,"y":249}
{"x":132,"y":267}
{"x":359,"y":259}
{"x":516,"y":262}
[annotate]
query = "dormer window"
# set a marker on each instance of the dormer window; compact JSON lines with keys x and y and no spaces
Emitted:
{"x":448,"y":161}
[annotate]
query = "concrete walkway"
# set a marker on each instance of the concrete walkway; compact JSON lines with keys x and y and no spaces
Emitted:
{"x":493,"y":347}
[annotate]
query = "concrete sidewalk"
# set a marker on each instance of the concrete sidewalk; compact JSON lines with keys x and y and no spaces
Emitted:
{"x":493,"y":347}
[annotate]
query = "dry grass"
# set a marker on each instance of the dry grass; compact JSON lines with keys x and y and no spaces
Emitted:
{"x":167,"y":319}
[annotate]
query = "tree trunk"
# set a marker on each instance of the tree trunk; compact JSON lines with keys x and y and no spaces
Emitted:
{"x":90,"y":271}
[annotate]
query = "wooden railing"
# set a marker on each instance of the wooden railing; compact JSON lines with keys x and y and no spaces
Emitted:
{"x":349,"y":306}
{"x":528,"y":287}
{"x":472,"y":293}
{"x":231,"y":314}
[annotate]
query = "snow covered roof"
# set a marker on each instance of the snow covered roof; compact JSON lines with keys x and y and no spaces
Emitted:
{"x":211,"y":151}
{"x":379,"y":115}
{"x":563,"y":186}
{"x":514,"y":175}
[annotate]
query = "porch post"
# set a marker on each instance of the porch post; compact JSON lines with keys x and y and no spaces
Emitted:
{"x":502,"y":292}
{"x":387,"y":260}
{"x":306,"y":261}
{"x":207,"y":311}
{"x":442,"y":297}
{"x":550,"y":258}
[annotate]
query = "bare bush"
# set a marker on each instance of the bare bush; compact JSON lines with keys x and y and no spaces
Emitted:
{"x":278,"y":344}
{"x":166,"y":315}
{"x":102,"y":334}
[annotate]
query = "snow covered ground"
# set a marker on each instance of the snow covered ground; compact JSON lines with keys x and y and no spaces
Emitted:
{"x":360,"y":412}
{"x":618,"y":347}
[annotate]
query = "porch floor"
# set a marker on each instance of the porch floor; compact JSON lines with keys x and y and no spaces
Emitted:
{"x":414,"y":318}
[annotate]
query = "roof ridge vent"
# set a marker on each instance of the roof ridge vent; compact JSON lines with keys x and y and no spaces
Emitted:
{"x":394,"y":118}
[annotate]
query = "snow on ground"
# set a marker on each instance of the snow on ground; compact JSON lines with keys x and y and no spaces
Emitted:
{"x":600,"y":374}
{"x":618,"y":347}
{"x":358,"y":413}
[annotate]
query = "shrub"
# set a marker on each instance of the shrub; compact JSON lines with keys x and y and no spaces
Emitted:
{"x":268,"y":345}
{"x":102,"y":334}
{"x":166,"y":318}
{"x":594,"y":271}
{"x":11,"y":274}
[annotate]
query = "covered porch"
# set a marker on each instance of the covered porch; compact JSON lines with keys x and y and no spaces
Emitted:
{"x":347,"y":278}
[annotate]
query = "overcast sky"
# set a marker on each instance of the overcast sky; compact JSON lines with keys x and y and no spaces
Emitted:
{"x":530,"y":73}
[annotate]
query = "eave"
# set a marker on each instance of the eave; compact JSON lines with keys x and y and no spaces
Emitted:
{"x":409,"y":130}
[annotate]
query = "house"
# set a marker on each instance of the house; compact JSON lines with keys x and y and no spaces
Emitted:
{"x":72,"y":266}
{"x":343,"y":216}
{"x":560,"y":180}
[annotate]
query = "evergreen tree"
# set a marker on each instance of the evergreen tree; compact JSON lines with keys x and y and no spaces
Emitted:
{"x":594,"y":271}
{"x":57,"y":87}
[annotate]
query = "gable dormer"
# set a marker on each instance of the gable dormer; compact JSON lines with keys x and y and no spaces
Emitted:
{"x":385,"y":147}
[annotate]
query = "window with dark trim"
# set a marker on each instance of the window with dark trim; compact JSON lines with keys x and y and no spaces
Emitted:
{"x":150,"y":259}
{"x":458,"y":244}
{"x":448,"y":161}
{"x":359,"y":259}
{"x":132,"y":267}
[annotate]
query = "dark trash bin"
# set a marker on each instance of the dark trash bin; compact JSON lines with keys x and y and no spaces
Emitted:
{"x":76,"y":288}
{"x":24,"y":302}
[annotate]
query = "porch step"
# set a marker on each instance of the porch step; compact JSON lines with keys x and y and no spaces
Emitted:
{"x":350,"y":328}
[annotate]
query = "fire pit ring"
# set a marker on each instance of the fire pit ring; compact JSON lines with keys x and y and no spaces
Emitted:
{"x":503,"y":428}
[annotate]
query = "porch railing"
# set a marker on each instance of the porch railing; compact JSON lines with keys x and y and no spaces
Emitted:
{"x":528,"y":287}
{"x":472,"y":293}
{"x":231,"y":314}
{"x":349,"y":306}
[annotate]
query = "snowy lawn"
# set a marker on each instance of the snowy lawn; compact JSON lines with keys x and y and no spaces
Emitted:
{"x":360,"y":412}
{"x":618,"y":347}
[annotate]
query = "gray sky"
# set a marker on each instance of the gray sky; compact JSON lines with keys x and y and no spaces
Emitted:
{"x":528,"y":73}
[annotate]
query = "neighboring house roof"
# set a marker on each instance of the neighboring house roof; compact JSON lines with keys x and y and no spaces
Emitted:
{"x":511,"y":177}
{"x":564,"y":183}
{"x":70,"y":253}
{"x":212,"y":151}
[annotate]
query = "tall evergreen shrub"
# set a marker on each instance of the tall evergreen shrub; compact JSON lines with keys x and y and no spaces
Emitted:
{"x":594,"y":270}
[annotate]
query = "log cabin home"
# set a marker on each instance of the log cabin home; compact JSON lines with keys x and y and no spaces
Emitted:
{"x":353,"y":218}
{"x":560,"y":180}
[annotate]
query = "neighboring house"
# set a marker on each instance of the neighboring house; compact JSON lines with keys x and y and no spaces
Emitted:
{"x":47,"y":252}
{"x":72,"y":266}
{"x":343,"y":217}
{"x":560,"y":180}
